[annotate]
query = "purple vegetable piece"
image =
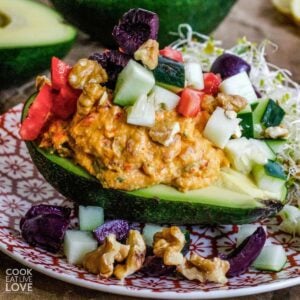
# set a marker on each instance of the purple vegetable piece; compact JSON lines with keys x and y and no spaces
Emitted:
{"x":243,"y":256}
{"x":118,"y":227}
{"x":113,"y":61}
{"x":45,"y":226}
{"x":154,"y":266}
{"x":134,"y":28}
{"x":228,"y":65}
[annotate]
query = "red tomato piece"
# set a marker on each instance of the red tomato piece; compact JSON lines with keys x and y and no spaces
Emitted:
{"x":59,"y":73}
{"x":189,"y":103}
{"x":211,"y":83}
{"x":38,"y":114}
{"x":171,"y":53}
{"x":65,"y":102}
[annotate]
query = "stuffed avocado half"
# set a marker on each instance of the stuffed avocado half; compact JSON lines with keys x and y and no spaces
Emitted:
{"x":156,"y":204}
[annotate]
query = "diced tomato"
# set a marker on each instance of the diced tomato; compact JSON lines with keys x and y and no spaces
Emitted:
{"x":38,"y":114}
{"x":211,"y":83}
{"x":189,"y":103}
{"x":59,"y":73}
{"x":65,"y":102}
{"x":171,"y":53}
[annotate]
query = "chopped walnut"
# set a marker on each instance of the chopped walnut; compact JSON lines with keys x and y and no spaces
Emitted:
{"x":164,"y":132}
{"x":91,"y":93}
{"x":230,"y":114}
{"x":209,"y":103}
{"x":168,"y":244}
{"x":40,"y":81}
{"x":135,"y":258}
{"x":276,"y":132}
{"x":231,"y":102}
{"x":101,"y":261}
{"x":86,"y":71}
{"x":147,"y":53}
{"x":202,"y":269}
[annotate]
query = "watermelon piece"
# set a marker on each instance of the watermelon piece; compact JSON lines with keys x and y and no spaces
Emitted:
{"x":38,"y":114}
{"x":59,"y":73}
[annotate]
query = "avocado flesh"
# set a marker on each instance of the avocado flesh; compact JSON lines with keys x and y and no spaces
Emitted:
{"x":156,"y":204}
{"x":30,"y":34}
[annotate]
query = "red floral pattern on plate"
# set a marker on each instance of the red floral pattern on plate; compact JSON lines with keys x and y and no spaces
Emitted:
{"x":22,"y":186}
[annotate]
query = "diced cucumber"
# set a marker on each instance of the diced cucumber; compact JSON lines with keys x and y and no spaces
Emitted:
{"x":253,"y":105}
{"x":276,"y":146}
{"x":246,"y":122}
{"x":239,"y":84}
{"x":142,"y":113}
{"x":133,"y":81}
{"x":270,"y":177}
{"x":194,"y":75}
{"x":148,"y":233}
{"x":244,"y":153}
{"x":77,"y":244}
{"x":90,"y":217}
{"x":246,"y":230}
{"x":164,"y":97}
{"x":169,"y":74}
{"x":220,"y":128}
{"x":271,"y":258}
{"x":267,"y":113}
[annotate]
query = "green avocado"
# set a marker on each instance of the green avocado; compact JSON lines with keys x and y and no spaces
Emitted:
{"x":30,"y":34}
{"x":98,"y":17}
{"x":156,"y":204}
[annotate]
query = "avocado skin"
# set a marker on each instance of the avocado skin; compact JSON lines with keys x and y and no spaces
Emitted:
{"x":19,"y":64}
{"x":98,"y":17}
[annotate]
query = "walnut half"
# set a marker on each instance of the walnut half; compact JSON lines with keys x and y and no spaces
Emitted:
{"x":147,"y":53}
{"x":168,"y":244}
{"x":135,"y":258}
{"x":101,"y":261}
{"x":202,"y":269}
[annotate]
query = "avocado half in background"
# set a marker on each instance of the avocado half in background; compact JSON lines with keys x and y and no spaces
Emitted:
{"x":30,"y":34}
{"x":98,"y":17}
{"x":156,"y":204}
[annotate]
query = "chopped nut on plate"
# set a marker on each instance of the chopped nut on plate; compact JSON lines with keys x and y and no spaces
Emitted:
{"x":40,"y":81}
{"x":135,"y":258}
{"x":202,"y":269}
{"x":231,"y":102}
{"x":168,"y":244}
{"x":276,"y":132}
{"x":101,"y":261}
{"x":164,"y":132}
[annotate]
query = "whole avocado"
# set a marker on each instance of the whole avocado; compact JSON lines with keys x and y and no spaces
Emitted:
{"x":98,"y":17}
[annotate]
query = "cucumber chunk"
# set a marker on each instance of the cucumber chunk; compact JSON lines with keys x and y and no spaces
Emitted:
{"x":276,"y":146}
{"x":239,"y":84}
{"x":90,"y":217}
{"x":220,"y":128}
{"x":148,"y":233}
{"x":133,"y":81}
{"x":194,"y":75}
{"x":271,"y":258}
{"x":270,"y":177}
{"x":77,"y":244}
{"x":170,"y":74}
{"x":246,"y":123}
{"x":164,"y":97}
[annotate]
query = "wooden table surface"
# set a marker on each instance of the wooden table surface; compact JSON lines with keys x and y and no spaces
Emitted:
{"x":255,"y":19}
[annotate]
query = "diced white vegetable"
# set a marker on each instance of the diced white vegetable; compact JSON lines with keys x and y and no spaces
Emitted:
{"x":271,"y":258}
{"x":90,"y":217}
{"x":194,"y":75}
{"x":220,"y":128}
{"x":239,"y":84}
{"x":133,"y":81}
{"x":247,"y":230}
{"x":148,"y":233}
{"x":142,"y":113}
{"x":77,"y":244}
{"x":290,"y":219}
{"x":165,"y":97}
{"x":244,"y":153}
